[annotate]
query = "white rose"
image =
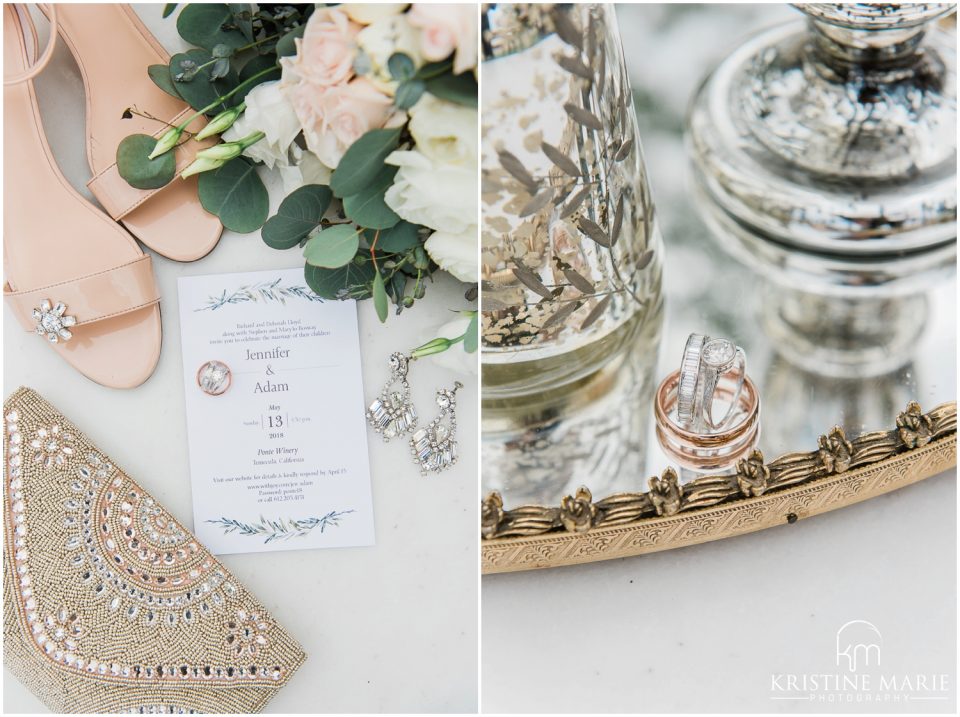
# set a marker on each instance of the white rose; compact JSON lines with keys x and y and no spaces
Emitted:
{"x":269,"y":112}
{"x":367,"y":13}
{"x":455,"y":358}
{"x":442,"y":197}
{"x":456,"y":253}
{"x":307,"y":169}
{"x":444,"y":132}
{"x":381,"y":39}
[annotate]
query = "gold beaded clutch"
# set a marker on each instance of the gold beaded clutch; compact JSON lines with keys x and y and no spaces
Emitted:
{"x":109,"y":604}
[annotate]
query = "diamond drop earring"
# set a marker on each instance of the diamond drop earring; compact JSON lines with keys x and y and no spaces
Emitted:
{"x":392,"y":413}
{"x":434,"y":448}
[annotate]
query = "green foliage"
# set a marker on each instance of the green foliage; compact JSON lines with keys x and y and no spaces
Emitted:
{"x":362,"y":162}
{"x":380,"y":302}
{"x":397,"y":239}
{"x":160,"y":74}
{"x":139,"y":171}
{"x":367,"y":207}
{"x":286,"y":45}
{"x":401,"y":67}
{"x":298,"y":215}
{"x":352,"y":281}
{"x":236,"y":194}
{"x":461,"y":89}
{"x":408,"y":93}
{"x":333,"y":247}
{"x":191,"y":74}
{"x":472,"y":335}
{"x":208,"y":25}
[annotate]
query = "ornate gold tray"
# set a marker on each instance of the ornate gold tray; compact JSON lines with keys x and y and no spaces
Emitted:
{"x":840,"y":472}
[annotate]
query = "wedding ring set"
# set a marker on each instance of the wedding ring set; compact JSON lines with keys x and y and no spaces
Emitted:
{"x":712,"y":379}
{"x":214,"y":378}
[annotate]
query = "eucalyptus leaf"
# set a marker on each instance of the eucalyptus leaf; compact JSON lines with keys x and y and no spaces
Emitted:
{"x":350,"y":281}
{"x":363,"y":161}
{"x":236,"y":194}
{"x":434,"y":69}
{"x":202,"y":24}
{"x":243,"y":19}
{"x":160,"y":74}
{"x":472,"y":335}
{"x":380,"y":301}
{"x":286,"y":45}
{"x":401,"y":67}
{"x":168,"y":9}
{"x":333,"y":247}
{"x":254,"y":66}
{"x":460,"y":89}
{"x":582,"y":116}
{"x":368,"y":208}
{"x":298,"y":215}
{"x":397,"y":239}
{"x":203,"y":89}
{"x":220,"y":69}
{"x":139,"y":171}
{"x":409,"y":93}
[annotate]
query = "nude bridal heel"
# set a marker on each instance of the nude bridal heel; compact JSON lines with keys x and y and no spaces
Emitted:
{"x":74,"y":276}
{"x":169,"y":220}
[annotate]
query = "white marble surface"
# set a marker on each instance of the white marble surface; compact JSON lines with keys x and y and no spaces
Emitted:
{"x":706,"y":628}
{"x":390,"y":628}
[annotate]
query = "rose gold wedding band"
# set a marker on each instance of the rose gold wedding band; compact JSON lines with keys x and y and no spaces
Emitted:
{"x":214,"y":377}
{"x":666,"y":399}
{"x":707,"y":452}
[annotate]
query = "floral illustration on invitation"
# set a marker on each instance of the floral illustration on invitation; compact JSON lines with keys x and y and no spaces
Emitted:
{"x":281,"y":528}
{"x":275,"y":424}
{"x":262,"y":291}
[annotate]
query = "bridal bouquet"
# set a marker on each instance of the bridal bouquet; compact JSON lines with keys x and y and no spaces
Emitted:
{"x":367,"y":113}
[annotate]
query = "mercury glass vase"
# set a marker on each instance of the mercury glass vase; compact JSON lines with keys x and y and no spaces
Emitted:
{"x":571,"y":252}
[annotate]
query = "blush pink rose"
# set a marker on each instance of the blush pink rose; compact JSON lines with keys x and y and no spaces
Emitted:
{"x":333,"y":118}
{"x":447,"y":29}
{"x":327,"y":49}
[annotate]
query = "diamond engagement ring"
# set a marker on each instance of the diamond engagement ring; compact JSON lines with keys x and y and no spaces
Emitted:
{"x":214,"y":378}
{"x":705,"y":361}
{"x":718,"y":357}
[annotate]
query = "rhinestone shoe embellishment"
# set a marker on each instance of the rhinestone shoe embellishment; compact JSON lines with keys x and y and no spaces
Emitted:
{"x":53,"y":321}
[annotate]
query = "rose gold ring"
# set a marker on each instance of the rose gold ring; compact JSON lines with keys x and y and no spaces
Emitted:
{"x":214,"y":378}
{"x":713,"y":451}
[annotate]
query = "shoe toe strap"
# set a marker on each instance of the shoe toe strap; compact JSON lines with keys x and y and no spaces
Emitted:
{"x":118,"y":198}
{"x":89,"y":298}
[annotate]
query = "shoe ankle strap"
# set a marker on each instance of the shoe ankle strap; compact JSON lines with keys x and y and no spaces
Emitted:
{"x":22,"y":13}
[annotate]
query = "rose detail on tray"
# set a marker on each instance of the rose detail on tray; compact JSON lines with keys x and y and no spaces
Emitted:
{"x":367,"y":116}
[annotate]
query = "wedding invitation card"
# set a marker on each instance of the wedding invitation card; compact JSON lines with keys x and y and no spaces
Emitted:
{"x":274,"y":399}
